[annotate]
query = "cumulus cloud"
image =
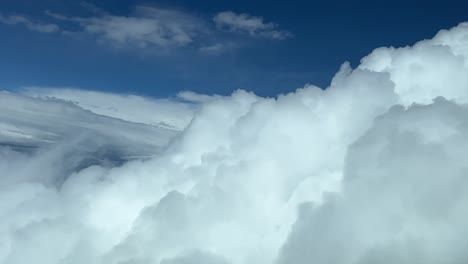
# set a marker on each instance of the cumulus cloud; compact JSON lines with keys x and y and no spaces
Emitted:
{"x":251,"y":25}
{"x":370,"y":170}
{"x":404,"y":190}
{"x":424,"y":71}
{"x":29,"y":24}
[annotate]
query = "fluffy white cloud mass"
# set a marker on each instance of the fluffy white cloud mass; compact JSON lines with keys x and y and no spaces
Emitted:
{"x":372,"y":169}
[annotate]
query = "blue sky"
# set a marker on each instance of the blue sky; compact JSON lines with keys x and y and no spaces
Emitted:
{"x":268,"y":47}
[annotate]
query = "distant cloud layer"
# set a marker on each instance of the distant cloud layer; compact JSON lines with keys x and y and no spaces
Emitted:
{"x":169,"y":113}
{"x":36,"y":120}
{"x":251,"y":25}
{"x":155,"y":27}
{"x":371,"y":170}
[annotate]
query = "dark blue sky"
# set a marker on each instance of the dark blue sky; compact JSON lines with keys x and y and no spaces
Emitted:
{"x":324,"y":34}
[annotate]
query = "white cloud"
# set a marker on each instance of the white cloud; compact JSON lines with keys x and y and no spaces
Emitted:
{"x":375,"y":181}
{"x":41,"y":122}
{"x":252,"y":25}
{"x":404,"y":191}
{"x":29,"y":24}
{"x":423,"y":71}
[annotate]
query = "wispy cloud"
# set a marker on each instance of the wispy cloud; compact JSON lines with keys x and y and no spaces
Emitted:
{"x":167,"y":113}
{"x":154,"y":27}
{"x":146,"y":27}
{"x":150,"y":26}
{"x":252,"y":25}
{"x":29,"y":24}
{"x":213,"y":49}
{"x":36,"y":122}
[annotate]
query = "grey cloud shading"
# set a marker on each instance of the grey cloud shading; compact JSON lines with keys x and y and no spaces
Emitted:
{"x":404,"y":195}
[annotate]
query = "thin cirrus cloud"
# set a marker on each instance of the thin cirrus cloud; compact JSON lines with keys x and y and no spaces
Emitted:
{"x":150,"y":26}
{"x":155,"y":27}
{"x":29,"y":24}
{"x":251,"y":25}
{"x":146,"y":27}
{"x":213,"y":49}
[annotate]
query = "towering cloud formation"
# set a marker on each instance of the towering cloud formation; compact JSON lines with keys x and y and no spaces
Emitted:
{"x":370,"y":170}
